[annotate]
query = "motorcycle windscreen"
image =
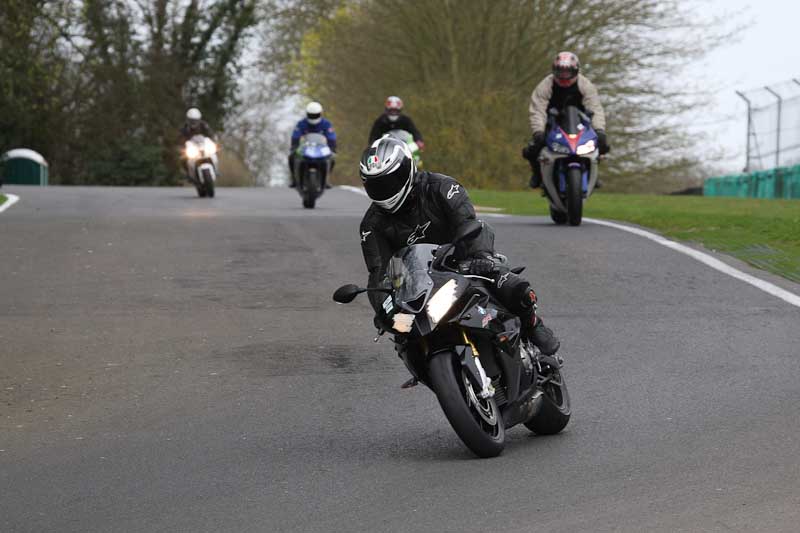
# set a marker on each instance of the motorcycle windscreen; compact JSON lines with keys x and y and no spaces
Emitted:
{"x":314,"y":146}
{"x":401,"y":135}
{"x":408,"y":273}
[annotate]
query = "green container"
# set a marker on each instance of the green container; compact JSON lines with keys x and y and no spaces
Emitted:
{"x":782,"y":182}
{"x":24,"y":167}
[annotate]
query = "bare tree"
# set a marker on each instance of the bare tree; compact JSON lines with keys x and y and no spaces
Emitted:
{"x":466,"y":69}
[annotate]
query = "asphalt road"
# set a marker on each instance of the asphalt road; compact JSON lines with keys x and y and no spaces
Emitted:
{"x":175,"y":364}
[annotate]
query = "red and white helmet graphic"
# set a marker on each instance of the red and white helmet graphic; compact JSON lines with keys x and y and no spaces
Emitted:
{"x":565,"y":69}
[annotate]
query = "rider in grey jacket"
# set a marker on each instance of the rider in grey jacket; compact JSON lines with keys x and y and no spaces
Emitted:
{"x":565,"y":86}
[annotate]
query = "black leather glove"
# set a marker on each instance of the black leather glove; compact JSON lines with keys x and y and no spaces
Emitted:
{"x":481,"y":266}
{"x":602,"y":142}
{"x":538,"y":137}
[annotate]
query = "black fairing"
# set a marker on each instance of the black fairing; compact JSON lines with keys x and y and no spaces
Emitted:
{"x":491,"y":330}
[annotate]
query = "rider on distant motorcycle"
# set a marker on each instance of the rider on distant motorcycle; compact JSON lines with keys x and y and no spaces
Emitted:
{"x":394,"y":119}
{"x":313,"y":123}
{"x":565,"y":86}
{"x":194,"y":125}
{"x":411,"y":207}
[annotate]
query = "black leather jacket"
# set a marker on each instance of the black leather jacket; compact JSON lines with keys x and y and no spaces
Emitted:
{"x":437,"y":207}
{"x":383,"y":125}
{"x":200,"y":127}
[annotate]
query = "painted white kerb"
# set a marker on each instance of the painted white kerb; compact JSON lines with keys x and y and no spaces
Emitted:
{"x":706,"y":259}
{"x":11,"y":199}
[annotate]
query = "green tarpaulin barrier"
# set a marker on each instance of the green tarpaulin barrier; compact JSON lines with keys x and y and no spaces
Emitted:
{"x":782,"y":182}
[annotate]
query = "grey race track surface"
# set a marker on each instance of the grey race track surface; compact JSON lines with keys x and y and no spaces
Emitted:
{"x":175,"y":364}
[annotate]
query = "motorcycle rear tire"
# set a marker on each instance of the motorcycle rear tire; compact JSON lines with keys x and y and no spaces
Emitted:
{"x":554,"y":410}
{"x":574,"y":196}
{"x":445,"y":372}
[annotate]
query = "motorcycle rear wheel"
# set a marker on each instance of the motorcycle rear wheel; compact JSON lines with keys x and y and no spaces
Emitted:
{"x":574,"y":196}
{"x":476,"y":422}
{"x":554,"y":409}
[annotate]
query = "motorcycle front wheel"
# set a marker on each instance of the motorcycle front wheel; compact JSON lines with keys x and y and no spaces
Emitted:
{"x":476,"y":422}
{"x":574,"y":196}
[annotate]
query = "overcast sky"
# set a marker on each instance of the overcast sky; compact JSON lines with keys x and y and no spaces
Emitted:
{"x":767,"y":53}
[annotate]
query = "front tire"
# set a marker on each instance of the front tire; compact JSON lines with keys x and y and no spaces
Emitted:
{"x":557,"y":216}
{"x":309,"y":201}
{"x":574,"y":196}
{"x":476,"y":422}
{"x":208,"y":183}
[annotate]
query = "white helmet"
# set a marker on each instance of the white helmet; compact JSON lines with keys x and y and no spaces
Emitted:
{"x":194,"y":114}
{"x":314,"y":112}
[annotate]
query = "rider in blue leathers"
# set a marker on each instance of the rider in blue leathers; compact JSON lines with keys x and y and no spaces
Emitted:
{"x":313,"y":123}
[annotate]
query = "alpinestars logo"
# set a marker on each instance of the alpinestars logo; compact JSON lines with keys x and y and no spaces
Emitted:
{"x":454,"y":189}
{"x":364,"y":235}
{"x":502,"y":280}
{"x":418,"y":233}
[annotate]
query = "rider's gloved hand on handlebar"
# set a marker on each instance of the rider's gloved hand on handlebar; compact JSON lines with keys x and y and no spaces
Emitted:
{"x":602,"y":142}
{"x":480,"y":266}
{"x":538,"y":137}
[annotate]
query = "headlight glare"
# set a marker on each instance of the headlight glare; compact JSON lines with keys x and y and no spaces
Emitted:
{"x":586,"y":148}
{"x":441,"y":302}
{"x":192,"y":150}
{"x":210,"y":147}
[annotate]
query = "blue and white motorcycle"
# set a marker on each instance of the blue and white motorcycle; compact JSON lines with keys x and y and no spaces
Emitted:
{"x":312,"y":166}
{"x":569,"y":163}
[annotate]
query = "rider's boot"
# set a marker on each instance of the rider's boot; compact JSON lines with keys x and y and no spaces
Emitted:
{"x":544,"y":338}
{"x":534,"y":330}
{"x":292,"y":183}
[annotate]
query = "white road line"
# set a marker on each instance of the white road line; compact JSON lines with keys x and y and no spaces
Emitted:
{"x":706,"y":259}
{"x":11,"y":199}
{"x":357,"y":190}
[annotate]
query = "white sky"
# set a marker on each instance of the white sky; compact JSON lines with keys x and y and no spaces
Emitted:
{"x":767,"y":53}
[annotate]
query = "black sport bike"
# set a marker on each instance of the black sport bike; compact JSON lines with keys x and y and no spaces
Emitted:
{"x":455,"y":338}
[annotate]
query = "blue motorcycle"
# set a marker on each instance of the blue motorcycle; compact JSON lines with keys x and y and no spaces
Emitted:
{"x":312,"y":166}
{"x":569,"y":163}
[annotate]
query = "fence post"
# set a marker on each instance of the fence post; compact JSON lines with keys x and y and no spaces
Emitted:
{"x":749,"y":118}
{"x":778,"y":130}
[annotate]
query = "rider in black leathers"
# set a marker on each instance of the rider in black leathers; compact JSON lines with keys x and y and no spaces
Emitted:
{"x":411,"y":207}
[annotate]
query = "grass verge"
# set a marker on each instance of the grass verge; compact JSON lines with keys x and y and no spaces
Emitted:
{"x":764,"y":233}
{"x":2,"y":199}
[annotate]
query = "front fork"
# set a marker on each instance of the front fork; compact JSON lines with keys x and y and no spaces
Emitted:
{"x":470,"y":360}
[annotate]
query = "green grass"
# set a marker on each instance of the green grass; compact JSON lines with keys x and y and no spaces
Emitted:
{"x":764,"y":233}
{"x":2,"y":199}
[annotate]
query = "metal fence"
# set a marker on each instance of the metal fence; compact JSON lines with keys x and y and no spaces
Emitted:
{"x":773,"y":125}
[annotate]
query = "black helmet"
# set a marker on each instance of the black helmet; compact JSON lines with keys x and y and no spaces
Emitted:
{"x":387,"y":171}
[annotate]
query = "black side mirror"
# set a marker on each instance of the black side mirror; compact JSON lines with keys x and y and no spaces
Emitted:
{"x":347,"y":293}
{"x":468,"y":231}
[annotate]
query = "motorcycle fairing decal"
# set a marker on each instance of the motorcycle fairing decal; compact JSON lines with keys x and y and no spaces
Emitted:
{"x":418,"y":233}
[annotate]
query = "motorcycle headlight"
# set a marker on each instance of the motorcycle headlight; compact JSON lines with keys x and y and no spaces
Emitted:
{"x":402,"y":322}
{"x":441,"y":302}
{"x":192,"y":150}
{"x":560,"y":148}
{"x":586,"y":148}
{"x":210,"y":147}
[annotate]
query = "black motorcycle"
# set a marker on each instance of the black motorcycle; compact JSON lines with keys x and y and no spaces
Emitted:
{"x":455,"y":338}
